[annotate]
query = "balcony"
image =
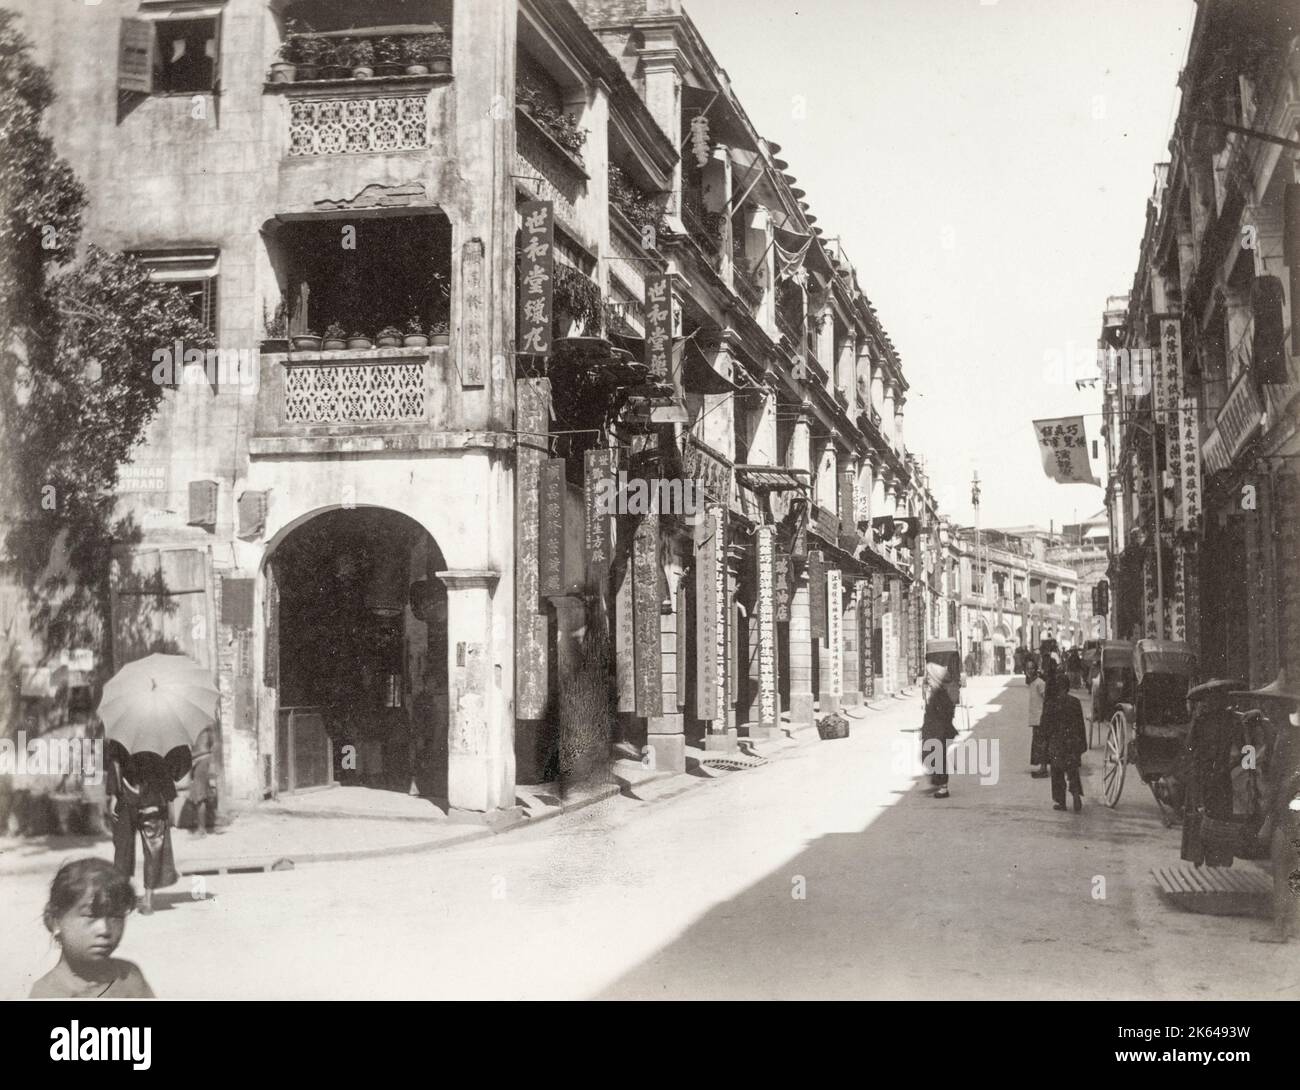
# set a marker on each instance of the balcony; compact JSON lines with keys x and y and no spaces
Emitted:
{"x":359,"y":122}
{"x":549,"y":170}
{"x":349,"y":400}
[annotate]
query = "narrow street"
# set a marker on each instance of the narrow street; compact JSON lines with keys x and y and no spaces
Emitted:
{"x":987,"y":895}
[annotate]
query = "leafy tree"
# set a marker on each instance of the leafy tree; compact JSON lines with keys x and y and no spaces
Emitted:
{"x":77,"y":335}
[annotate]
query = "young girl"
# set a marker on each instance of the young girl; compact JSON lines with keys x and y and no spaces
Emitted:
{"x":86,"y":914}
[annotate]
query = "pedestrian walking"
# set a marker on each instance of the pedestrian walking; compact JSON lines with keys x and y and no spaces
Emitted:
{"x":141,"y":790}
{"x":86,"y":914}
{"x":1037,"y":694}
{"x":1066,"y":740}
{"x":201,"y":804}
{"x":1210,"y":741}
{"x":937,"y":727}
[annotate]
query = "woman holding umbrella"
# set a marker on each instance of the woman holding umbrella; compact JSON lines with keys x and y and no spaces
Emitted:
{"x":153,"y":711}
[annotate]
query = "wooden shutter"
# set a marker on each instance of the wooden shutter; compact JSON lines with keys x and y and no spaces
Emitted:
{"x":135,"y":56}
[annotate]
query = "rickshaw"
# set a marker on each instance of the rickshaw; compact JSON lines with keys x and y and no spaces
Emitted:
{"x":1110,"y":681}
{"x":1150,"y":732}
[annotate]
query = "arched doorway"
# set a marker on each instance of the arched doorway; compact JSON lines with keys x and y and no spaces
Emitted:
{"x":357,"y":654}
{"x":1001,"y":657}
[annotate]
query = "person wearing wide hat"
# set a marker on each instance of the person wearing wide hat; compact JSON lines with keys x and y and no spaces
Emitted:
{"x":937,"y":727}
{"x":1281,"y":828}
{"x":1210,"y":740}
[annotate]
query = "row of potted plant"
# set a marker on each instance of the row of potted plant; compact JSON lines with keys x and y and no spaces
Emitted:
{"x":306,"y":57}
{"x":414,"y":334}
{"x":560,"y":125}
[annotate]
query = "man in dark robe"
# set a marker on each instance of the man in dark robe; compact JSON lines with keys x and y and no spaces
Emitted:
{"x":1067,"y":740}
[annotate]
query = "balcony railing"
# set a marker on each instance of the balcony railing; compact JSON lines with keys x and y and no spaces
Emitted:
{"x":357,"y":124}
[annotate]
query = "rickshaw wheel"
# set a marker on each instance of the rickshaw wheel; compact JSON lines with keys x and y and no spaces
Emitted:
{"x":1115,"y":760}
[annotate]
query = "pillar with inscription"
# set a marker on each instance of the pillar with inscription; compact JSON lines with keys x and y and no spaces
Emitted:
{"x":480,"y":746}
{"x":799,"y":456}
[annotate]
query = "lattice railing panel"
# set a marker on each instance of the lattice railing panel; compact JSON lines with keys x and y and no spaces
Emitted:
{"x":343,"y":126}
{"x":354,"y":393}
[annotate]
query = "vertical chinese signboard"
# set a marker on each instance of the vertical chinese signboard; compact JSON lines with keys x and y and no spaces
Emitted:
{"x":816,"y":595}
{"x":848,"y":480}
{"x":550,"y":529}
{"x":532,"y":397}
{"x":706,"y":616}
{"x":659,"y":323}
{"x":1189,"y":462}
{"x":645,"y":609}
{"x":834,"y":630}
{"x":781,"y":588}
{"x":598,"y":540}
{"x":723,"y":632}
{"x":867,"y":597}
{"x":536,"y":276}
{"x":889,"y":653}
{"x":766,"y":628}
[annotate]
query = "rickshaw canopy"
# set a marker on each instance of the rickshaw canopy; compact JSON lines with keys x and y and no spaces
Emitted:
{"x":1162,"y":657}
{"x":1115,"y":654}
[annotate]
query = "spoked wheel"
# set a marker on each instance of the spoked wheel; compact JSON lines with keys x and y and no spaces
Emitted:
{"x":1115,"y":760}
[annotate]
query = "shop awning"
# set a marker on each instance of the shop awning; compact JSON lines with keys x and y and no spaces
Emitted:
{"x":772,"y":478}
{"x":701,"y":378}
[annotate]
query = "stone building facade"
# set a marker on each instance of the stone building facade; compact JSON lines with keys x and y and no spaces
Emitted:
{"x":1201,"y":362}
{"x":382,"y":548}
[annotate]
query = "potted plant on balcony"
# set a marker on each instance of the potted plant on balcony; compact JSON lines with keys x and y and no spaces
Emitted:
{"x":426,"y":53}
{"x":389,"y":337}
{"x":277,"y":329}
{"x":336,"y":338}
{"x":414,"y":56}
{"x":336,"y":59}
{"x":307,"y":341}
{"x":283,"y":68}
{"x":360,"y":341}
{"x":305,"y":51}
{"x":363,"y":59}
{"x":388,"y":56}
{"x":439,"y":332}
{"x":414,"y":336}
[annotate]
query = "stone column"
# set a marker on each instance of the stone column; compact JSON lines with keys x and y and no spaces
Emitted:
{"x":828,"y":476}
{"x":758,"y":241}
{"x":899,"y":402}
{"x":665,"y":734}
{"x":877,"y":387}
{"x":799,"y":456}
{"x":717,"y":426}
{"x":887,"y":412}
{"x":826,"y":338}
{"x":879,"y":498}
{"x":862,"y":378}
{"x":661,"y":67}
{"x":845,"y":369}
{"x":717,"y":192}
{"x":481,"y":751}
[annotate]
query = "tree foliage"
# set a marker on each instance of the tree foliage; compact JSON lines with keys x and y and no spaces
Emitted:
{"x":78,"y":336}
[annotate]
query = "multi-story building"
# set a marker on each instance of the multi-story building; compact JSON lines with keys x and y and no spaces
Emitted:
{"x":1201,"y":375}
{"x":387,"y":550}
{"x":1013,"y":595}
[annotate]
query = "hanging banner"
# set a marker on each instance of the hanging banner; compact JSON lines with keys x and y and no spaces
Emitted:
{"x":816,"y":595}
{"x":1064,"y":450}
{"x":550,"y":529}
{"x":624,"y":640}
{"x":659,"y":323}
{"x":848,"y":503}
{"x":646,"y":601}
{"x":766,"y":628}
{"x":536,"y":276}
{"x":706,"y":617}
{"x":835,"y":630}
{"x":598,"y":539}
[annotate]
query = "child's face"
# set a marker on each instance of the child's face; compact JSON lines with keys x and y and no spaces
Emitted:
{"x":86,"y":936}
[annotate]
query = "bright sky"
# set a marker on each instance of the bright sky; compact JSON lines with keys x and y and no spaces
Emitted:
{"x":988,"y":166}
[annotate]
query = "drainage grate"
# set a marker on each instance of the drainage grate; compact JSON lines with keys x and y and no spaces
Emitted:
{"x":734,"y":762}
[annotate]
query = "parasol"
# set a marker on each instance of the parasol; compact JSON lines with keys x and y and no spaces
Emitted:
{"x":157,"y":703}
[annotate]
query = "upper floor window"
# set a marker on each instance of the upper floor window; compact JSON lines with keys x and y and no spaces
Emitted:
{"x":170,"y":50}
{"x":193,"y":273}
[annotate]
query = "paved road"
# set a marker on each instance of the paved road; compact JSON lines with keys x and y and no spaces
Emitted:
{"x":830,"y":872}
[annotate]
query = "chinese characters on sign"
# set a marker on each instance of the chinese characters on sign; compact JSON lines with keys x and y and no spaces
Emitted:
{"x":816,"y":596}
{"x":706,"y":617}
{"x":781,"y":588}
{"x":536,"y":276}
{"x":598,"y":538}
{"x":645,"y":605}
{"x":659,"y":323}
{"x":1064,"y":449}
{"x":722,"y":630}
{"x":834,"y":630}
{"x":766,"y":628}
{"x":711,"y":472}
{"x":550,"y":535}
{"x":1190,"y":462}
{"x":889,"y":652}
